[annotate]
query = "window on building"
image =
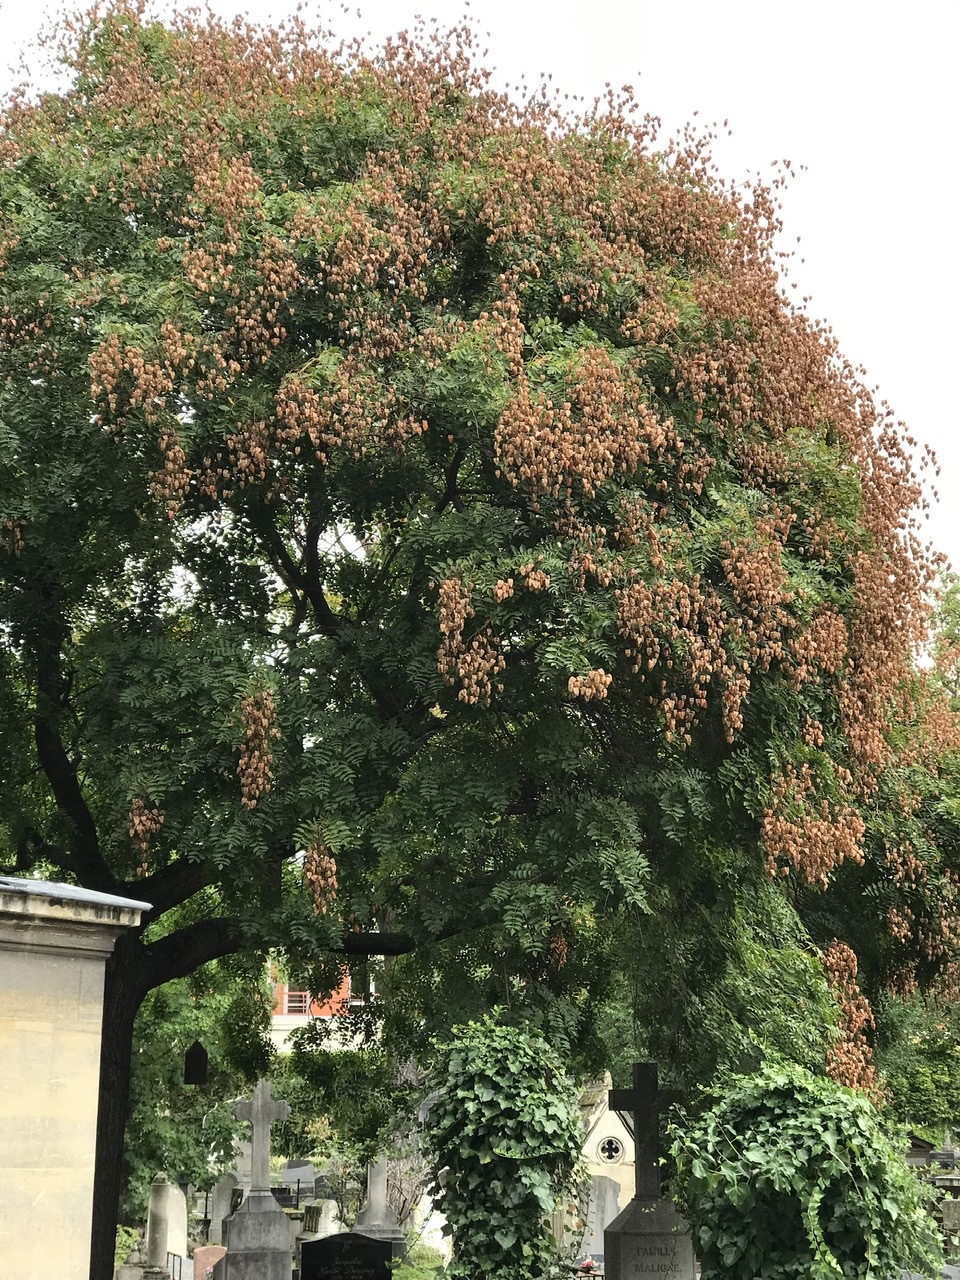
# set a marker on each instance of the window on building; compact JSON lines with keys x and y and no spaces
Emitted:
{"x":297,"y":1002}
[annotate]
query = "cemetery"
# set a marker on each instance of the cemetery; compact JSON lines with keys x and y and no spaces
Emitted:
{"x":479,"y":711}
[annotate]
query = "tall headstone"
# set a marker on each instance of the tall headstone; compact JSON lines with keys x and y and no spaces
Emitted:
{"x":166,"y":1223}
{"x":258,"y":1235}
{"x":221,"y":1206}
{"x":377,"y":1219}
{"x":602,"y":1208}
{"x":649,"y":1238}
{"x":55,"y":940}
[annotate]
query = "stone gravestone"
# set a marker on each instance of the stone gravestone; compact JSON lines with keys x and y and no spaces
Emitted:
{"x":648,"y":1238}
{"x":166,"y":1223}
{"x":258,"y":1236}
{"x":298,"y":1171}
{"x":346,"y":1256}
{"x":602,"y":1209}
{"x":221,"y":1206}
{"x":321,"y":1218}
{"x":377,"y":1218}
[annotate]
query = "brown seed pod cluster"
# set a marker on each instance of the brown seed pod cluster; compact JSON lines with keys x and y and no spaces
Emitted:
{"x":320,"y":876}
{"x":255,"y":768}
{"x":593,"y":685}
{"x":810,"y":835}
{"x":144,"y":821}
{"x":600,"y":428}
{"x":470,"y":661}
{"x":850,"y":1058}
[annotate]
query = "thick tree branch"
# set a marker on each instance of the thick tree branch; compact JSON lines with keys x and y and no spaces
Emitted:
{"x":178,"y":954}
{"x":312,"y":580}
{"x":305,"y":580}
{"x":31,"y":848}
{"x":170,"y":886}
{"x":86,"y":861}
{"x":450,"y":495}
{"x":378,"y":944}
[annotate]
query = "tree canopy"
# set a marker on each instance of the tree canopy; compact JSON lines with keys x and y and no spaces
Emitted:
{"x":428,"y":529}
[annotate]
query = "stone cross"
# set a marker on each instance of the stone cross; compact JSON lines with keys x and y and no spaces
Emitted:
{"x":643,"y":1102}
{"x":261,"y":1111}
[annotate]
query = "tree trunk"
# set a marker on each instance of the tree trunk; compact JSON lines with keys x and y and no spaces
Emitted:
{"x":124,"y":990}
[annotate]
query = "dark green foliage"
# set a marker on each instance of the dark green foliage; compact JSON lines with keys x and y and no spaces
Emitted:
{"x":504,"y":1142}
{"x":918,"y":1052}
{"x":792,"y":1177}
{"x":189,"y":1131}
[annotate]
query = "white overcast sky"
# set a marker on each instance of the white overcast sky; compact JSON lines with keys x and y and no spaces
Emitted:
{"x":864,"y":94}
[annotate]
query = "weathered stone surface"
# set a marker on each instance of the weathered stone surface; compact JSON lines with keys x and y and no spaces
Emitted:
{"x":54,"y":942}
{"x":259,"y":1242}
{"x":204,"y":1260}
{"x":221,"y":1205}
{"x":166,"y":1222}
{"x":650,"y":1239}
{"x":377,"y":1219}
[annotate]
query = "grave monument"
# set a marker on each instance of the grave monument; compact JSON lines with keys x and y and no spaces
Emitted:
{"x":377,"y":1218}
{"x":221,"y":1206}
{"x":346,"y":1256}
{"x":166,"y":1225}
{"x":55,"y":940}
{"x":648,"y":1238}
{"x":258,"y":1235}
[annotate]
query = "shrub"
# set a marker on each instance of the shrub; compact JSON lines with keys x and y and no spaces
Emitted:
{"x":793,"y":1177}
{"x":504,"y":1141}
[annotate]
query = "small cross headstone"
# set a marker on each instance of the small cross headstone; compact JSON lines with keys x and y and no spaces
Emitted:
{"x":641,"y":1104}
{"x":647,"y":1238}
{"x":258,"y":1234}
{"x":261,"y":1110}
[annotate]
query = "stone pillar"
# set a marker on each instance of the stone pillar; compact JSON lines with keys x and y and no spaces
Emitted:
{"x":377,"y":1219}
{"x":166,"y":1222}
{"x":54,"y":943}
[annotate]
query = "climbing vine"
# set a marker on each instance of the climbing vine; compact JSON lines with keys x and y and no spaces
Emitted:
{"x":793,"y":1177}
{"x":504,"y":1140}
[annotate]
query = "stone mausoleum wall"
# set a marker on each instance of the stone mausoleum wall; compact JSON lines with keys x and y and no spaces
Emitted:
{"x":54,"y":943}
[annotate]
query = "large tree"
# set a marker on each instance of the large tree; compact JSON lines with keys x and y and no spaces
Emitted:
{"x":426,"y":528}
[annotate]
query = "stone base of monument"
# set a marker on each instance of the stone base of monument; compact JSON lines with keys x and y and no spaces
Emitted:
{"x":649,"y":1238}
{"x":257,"y":1240}
{"x":395,"y":1234}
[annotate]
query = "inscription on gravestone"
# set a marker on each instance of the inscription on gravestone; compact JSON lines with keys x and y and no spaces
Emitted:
{"x":346,"y":1256}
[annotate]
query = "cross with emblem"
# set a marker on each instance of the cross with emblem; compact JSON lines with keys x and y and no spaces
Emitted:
{"x":641,"y":1103}
{"x":261,"y":1110}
